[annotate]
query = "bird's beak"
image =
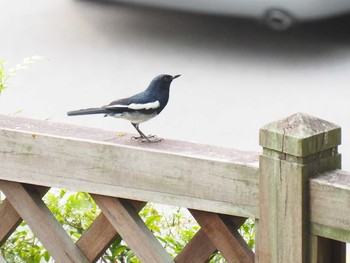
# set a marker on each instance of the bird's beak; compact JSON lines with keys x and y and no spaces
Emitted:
{"x":176,"y":76}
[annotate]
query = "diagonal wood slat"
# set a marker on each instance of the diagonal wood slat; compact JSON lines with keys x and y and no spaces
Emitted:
{"x":93,"y":242}
{"x":198,"y":249}
{"x":301,"y":151}
{"x":101,"y":233}
{"x":44,"y":225}
{"x":223,"y":234}
{"x":132,"y":229}
{"x":10,"y":219}
{"x":99,"y":236}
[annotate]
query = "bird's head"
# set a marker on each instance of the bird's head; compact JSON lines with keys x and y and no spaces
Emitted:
{"x":162,"y":82}
{"x":159,"y":88}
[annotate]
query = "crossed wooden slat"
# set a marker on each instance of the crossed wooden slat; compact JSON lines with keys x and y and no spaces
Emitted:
{"x":119,"y":218}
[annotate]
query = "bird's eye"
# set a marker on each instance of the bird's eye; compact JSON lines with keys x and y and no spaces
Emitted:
{"x":166,"y":78}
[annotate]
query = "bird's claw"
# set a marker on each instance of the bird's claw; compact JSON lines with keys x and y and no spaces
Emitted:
{"x":147,"y":139}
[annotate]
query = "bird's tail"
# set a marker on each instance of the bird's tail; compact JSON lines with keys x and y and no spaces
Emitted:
{"x":87,"y":111}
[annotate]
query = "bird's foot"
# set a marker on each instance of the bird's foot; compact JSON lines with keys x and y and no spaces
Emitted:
{"x":147,"y":139}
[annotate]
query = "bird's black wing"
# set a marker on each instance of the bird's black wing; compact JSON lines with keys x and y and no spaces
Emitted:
{"x":136,"y":103}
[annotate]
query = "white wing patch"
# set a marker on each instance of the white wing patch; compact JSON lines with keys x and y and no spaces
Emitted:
{"x":146,"y":106}
{"x":137,"y":106}
{"x":116,"y":106}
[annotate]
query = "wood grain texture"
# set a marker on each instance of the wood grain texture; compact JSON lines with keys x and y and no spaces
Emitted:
{"x":125,"y":219}
{"x":295,"y":149}
{"x":99,"y":236}
{"x":10,"y":220}
{"x":300,"y":135}
{"x":9,"y":217}
{"x":198,"y":250}
{"x":224,"y":235}
{"x":200,"y":247}
{"x":43,"y":224}
{"x":283,"y":212}
{"x":195,"y":176}
{"x":186,"y":174}
{"x":330,"y":205}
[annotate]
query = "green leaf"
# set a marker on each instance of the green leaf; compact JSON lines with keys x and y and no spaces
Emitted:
{"x":153,"y":219}
{"x":47,"y":256}
{"x":37,"y":258}
{"x":120,"y":249}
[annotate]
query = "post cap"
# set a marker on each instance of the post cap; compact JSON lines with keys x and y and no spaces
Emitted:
{"x":300,"y":135}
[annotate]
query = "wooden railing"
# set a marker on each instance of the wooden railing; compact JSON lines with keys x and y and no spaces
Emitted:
{"x":294,"y":189}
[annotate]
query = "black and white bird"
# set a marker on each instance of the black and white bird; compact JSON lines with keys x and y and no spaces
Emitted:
{"x":138,"y":108}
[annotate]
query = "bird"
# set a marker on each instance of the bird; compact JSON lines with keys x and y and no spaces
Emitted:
{"x":138,"y":108}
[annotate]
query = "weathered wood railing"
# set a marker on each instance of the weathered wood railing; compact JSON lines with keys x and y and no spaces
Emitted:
{"x":298,"y":195}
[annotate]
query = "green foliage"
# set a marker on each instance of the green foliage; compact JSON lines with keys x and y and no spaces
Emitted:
{"x":23,"y":246}
{"x":247,"y":231}
{"x":5,"y":75}
{"x":173,"y":226}
{"x":75,"y":212}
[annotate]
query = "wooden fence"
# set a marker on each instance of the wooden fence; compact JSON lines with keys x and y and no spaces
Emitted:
{"x":295,"y":190}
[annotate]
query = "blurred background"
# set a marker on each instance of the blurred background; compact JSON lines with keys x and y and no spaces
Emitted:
{"x":237,"y":74}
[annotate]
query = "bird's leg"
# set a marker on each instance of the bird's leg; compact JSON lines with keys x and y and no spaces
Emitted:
{"x":143,"y":137}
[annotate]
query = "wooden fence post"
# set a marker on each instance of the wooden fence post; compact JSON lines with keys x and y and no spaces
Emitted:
{"x":294,"y":149}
